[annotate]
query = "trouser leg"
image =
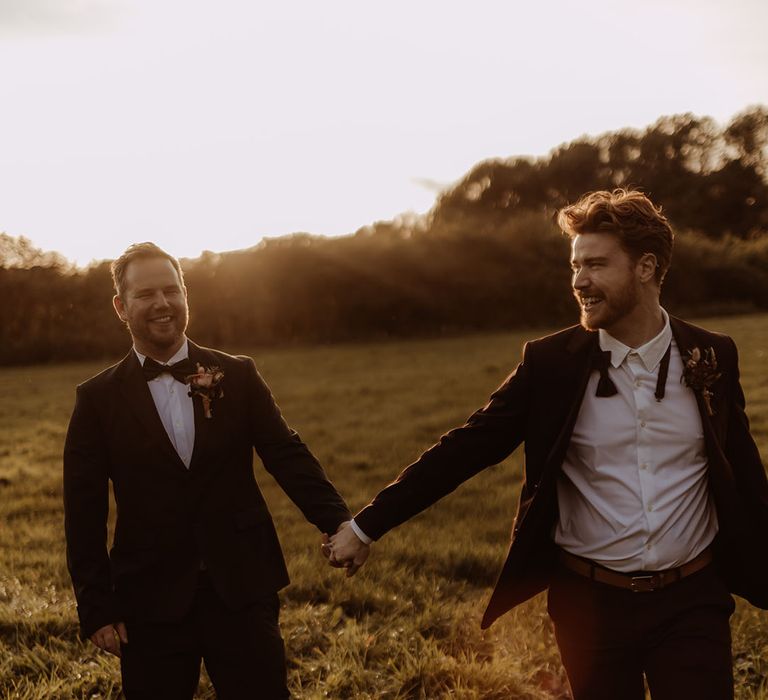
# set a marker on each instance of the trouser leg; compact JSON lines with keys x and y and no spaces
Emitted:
{"x":160,"y":661}
{"x":243,"y":650}
{"x":689,"y":652}
{"x":679,"y":637}
{"x":597,"y":642}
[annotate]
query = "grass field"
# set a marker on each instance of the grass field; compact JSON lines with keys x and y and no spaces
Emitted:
{"x":407,"y":626}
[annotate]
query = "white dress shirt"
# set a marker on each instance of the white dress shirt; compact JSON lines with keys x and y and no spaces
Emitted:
{"x":633,"y":492}
{"x":174,"y":406}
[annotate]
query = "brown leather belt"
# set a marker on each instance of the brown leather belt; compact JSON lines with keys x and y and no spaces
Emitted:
{"x":640,"y":582}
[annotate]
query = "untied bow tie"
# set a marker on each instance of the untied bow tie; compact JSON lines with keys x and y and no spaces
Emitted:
{"x":600,"y":361}
{"x":179,"y":370}
{"x":605,"y":386}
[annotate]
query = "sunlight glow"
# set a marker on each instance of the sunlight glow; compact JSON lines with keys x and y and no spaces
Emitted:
{"x":207,"y":126}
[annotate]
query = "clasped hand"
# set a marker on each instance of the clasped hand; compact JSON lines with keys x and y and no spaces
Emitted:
{"x":345,"y":549}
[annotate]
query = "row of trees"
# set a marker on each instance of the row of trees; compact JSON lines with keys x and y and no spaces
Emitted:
{"x":711,"y":179}
{"x":488,"y":256}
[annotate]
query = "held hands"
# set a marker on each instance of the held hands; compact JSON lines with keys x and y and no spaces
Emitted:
{"x":345,"y":549}
{"x":110,"y":637}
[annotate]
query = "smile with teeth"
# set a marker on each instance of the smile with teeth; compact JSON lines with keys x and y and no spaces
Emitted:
{"x":162,"y":319}
{"x":589,"y":302}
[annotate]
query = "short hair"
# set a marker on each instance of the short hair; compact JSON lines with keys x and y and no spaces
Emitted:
{"x":139,"y":251}
{"x":628,"y":214}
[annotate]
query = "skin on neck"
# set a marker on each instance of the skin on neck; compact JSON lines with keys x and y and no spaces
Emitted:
{"x":644,"y":323}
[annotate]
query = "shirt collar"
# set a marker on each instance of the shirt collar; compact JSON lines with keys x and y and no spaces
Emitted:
{"x":650,"y":354}
{"x":181,"y":354}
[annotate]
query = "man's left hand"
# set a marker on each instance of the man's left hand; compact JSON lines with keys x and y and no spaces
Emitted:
{"x":345,"y":549}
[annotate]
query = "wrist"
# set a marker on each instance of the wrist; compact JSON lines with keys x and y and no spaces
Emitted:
{"x":359,"y":533}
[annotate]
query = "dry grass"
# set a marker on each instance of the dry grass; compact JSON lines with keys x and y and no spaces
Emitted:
{"x":407,"y":626}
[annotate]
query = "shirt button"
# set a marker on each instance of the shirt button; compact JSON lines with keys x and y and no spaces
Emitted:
{"x":648,"y":546}
{"x":650,"y":509}
{"x":642,"y":423}
{"x":643,"y":466}
{"x":637,"y":382}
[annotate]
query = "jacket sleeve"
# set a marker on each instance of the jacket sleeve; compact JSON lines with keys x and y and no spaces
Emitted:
{"x":86,"y":506}
{"x":289,"y":460}
{"x":488,"y":437}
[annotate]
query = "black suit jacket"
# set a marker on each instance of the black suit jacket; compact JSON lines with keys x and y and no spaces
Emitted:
{"x":170,"y":518}
{"x":538,"y":405}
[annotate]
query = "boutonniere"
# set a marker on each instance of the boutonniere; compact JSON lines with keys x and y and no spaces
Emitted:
{"x":700,"y":373}
{"x":206,"y":383}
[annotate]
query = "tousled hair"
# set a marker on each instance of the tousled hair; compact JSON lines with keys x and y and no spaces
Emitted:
{"x":629,"y":215}
{"x":139,"y":251}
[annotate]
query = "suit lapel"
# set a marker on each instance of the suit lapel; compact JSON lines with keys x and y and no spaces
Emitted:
{"x":138,"y":397}
{"x":571,"y":385}
{"x":686,"y":340}
{"x":721,"y":476}
{"x":580,"y":350}
{"x":203,"y":425}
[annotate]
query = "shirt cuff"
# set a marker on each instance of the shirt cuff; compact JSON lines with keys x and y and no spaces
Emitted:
{"x":360,"y":534}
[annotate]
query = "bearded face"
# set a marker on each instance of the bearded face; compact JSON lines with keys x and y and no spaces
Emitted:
{"x":154,"y":307}
{"x":605,"y":281}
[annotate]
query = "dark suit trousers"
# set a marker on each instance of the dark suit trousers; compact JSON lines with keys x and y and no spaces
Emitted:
{"x":679,"y":637}
{"x":242,"y":650}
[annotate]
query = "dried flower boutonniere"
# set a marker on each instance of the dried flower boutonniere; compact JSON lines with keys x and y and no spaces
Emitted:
{"x":206,"y":384}
{"x":700,"y":373}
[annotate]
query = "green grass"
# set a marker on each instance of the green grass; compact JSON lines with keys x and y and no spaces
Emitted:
{"x":407,"y":626}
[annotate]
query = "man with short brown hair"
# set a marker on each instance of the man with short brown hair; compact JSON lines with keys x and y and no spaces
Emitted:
{"x":645,"y":502}
{"x":195,"y":565}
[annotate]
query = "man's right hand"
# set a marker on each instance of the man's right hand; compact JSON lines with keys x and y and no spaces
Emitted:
{"x":347,"y":550}
{"x":110,"y":637}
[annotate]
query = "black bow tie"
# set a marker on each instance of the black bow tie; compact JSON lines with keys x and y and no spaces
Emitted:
{"x":600,"y":361}
{"x":605,"y":386}
{"x":179,"y":370}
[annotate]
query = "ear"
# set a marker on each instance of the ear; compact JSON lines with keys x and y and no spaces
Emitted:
{"x":117,"y":303}
{"x":646,"y":267}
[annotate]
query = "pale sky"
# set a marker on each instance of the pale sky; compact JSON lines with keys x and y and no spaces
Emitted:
{"x":208,"y":125}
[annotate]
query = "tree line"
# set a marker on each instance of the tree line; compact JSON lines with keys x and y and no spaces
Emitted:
{"x":487,"y":256}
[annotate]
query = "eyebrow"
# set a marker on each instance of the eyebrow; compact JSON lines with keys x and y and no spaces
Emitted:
{"x":141,"y":290}
{"x":593,"y":259}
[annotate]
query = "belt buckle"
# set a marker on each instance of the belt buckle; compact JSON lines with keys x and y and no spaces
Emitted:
{"x":643,"y":584}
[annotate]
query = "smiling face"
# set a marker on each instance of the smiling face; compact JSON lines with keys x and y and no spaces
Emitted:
{"x":606,"y":281}
{"x":153,"y":304}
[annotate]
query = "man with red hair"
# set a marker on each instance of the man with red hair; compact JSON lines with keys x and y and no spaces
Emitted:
{"x":645,"y":502}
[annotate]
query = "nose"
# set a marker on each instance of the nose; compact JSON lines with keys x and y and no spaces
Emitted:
{"x":580,"y":279}
{"x":161,"y":300}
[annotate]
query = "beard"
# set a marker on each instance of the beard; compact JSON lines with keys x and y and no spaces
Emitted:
{"x":611,"y":308}
{"x":159,"y":335}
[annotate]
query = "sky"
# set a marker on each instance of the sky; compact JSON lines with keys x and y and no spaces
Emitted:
{"x":207,"y":126}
